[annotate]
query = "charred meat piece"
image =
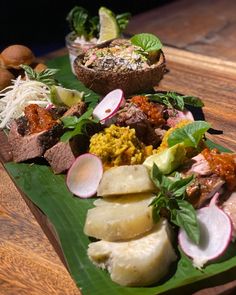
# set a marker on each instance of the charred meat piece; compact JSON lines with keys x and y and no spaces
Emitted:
{"x":57,"y":112}
{"x":134,"y":117}
{"x":76,"y":110}
{"x":33,"y":145}
{"x":153,"y":111}
{"x":197,"y":165}
{"x":203,"y":188}
{"x":62,"y":155}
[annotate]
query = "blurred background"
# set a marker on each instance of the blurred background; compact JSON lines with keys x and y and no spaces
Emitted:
{"x":42,"y":24}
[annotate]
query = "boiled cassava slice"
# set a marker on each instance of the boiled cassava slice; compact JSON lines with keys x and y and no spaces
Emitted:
{"x":120,"y":218}
{"x":127,"y":179}
{"x":138,"y":262}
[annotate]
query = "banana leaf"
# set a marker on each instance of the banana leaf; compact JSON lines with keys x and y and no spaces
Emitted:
{"x":67,"y":214}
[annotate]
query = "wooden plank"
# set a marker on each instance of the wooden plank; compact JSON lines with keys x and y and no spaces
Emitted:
{"x":28,"y":262}
{"x":204,"y":26}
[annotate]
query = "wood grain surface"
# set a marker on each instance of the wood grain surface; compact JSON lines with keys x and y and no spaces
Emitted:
{"x":26,"y":256}
{"x":200,"y":62}
{"x":203,"y":26}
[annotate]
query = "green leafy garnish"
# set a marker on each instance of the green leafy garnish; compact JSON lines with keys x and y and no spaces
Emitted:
{"x":175,"y":100}
{"x":79,"y":125}
{"x":123,"y":20}
{"x":190,"y":135}
{"x":147,"y":42}
{"x":171,"y":197}
{"x":82,"y":23}
{"x":46,"y":76}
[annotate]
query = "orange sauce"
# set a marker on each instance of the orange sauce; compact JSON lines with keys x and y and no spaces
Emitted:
{"x":153,"y":112}
{"x":38,"y":118}
{"x":223,"y":165}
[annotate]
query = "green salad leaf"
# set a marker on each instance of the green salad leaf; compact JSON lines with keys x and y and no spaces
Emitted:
{"x":46,"y":76}
{"x":175,"y":100}
{"x":190,"y":134}
{"x":147,"y":42}
{"x":78,"y":125}
{"x":172,"y":191}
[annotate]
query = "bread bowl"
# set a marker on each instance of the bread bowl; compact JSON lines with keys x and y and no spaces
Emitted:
{"x":130,"y":80}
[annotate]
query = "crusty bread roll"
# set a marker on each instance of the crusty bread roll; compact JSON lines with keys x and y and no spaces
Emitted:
{"x":15,"y":55}
{"x":5,"y":78}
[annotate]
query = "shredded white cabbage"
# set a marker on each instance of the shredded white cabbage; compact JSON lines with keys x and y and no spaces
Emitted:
{"x":14,"y":98}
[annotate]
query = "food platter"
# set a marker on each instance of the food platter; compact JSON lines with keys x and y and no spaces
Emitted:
{"x":56,"y":202}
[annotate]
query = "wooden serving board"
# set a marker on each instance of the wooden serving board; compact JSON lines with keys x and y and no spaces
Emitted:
{"x":211,"y":79}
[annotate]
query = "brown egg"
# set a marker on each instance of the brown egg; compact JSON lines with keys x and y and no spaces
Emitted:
{"x":15,"y":55}
{"x":5,"y":78}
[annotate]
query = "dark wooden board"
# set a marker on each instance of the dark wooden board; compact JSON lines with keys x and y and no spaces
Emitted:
{"x":188,"y":73}
{"x":204,"y":26}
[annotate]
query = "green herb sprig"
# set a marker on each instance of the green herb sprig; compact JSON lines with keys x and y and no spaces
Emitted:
{"x":175,"y":100}
{"x":190,"y":135}
{"x":123,"y":20}
{"x":171,"y":197}
{"x":46,"y":76}
{"x":82,"y":23}
{"x":77,"y":125}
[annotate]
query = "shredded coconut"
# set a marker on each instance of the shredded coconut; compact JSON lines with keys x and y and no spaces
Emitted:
{"x":14,"y":99}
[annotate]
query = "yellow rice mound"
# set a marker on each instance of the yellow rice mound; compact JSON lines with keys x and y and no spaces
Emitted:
{"x":117,"y":146}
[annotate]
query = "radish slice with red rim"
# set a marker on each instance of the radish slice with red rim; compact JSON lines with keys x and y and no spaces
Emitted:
{"x":84,"y":175}
{"x":215,"y":235}
{"x":109,"y":105}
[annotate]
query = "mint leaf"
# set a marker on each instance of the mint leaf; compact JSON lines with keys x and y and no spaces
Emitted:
{"x":185,"y":217}
{"x":189,"y":135}
{"x":148,"y":42}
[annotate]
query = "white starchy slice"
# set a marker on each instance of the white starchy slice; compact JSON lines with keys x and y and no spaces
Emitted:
{"x":127,"y":179}
{"x":139,"y":262}
{"x":120,"y":218}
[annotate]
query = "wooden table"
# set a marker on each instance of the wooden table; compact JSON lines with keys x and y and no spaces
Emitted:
{"x":28,"y":263}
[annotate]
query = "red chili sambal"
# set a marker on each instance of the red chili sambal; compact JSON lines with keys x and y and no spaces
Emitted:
{"x":222,"y":164}
{"x":153,"y":111}
{"x":39,"y":119}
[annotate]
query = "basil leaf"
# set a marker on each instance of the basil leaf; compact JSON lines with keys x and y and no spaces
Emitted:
{"x":69,"y":121}
{"x":156,"y":175}
{"x":193,"y":101}
{"x":179,"y":187}
{"x":176,"y":101}
{"x":77,"y":19}
{"x":148,"y":42}
{"x":190,"y":134}
{"x":186,"y":218}
{"x":79,"y":124}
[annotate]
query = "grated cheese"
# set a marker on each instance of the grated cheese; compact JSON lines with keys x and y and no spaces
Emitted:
{"x":14,"y":99}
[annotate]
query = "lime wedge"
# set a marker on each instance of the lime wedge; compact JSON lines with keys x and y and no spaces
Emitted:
{"x":64,"y":96}
{"x":109,"y":28}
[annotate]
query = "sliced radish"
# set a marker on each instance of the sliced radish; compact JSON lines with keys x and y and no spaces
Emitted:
{"x":109,"y":105}
{"x":84,"y":175}
{"x":175,"y":116}
{"x":215,"y":235}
